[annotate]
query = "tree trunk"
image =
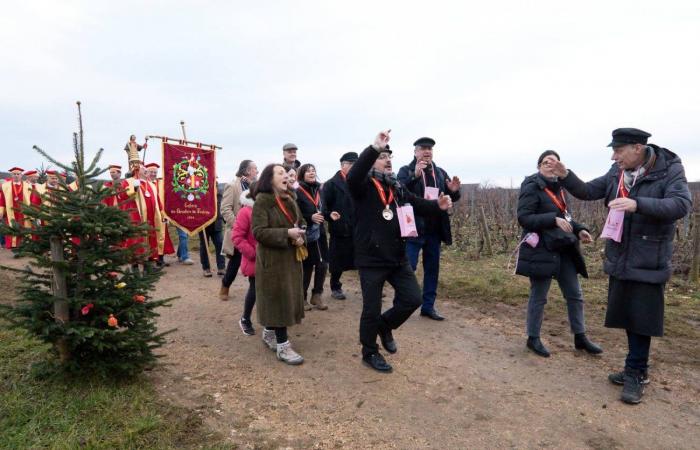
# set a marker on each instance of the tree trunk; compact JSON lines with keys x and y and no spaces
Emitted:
{"x":60,"y":293}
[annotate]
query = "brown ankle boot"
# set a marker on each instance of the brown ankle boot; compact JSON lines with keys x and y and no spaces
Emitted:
{"x":223,"y":293}
{"x":317,"y":302}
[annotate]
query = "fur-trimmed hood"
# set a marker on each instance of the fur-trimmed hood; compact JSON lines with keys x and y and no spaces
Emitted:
{"x":244,"y":200}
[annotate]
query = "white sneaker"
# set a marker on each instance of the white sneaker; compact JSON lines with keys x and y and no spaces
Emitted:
{"x":269,"y":339}
{"x":286,"y":354}
{"x":187,"y":262}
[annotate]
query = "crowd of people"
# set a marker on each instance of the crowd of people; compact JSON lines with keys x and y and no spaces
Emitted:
{"x":284,"y":230}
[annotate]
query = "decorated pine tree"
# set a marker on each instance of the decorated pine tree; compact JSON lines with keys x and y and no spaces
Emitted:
{"x":83,"y":290}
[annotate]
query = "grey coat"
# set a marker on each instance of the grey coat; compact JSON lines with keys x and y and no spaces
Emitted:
{"x":662,"y":197}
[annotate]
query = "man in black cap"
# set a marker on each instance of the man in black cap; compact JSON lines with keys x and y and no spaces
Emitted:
{"x":380,"y":251}
{"x":289,"y":153}
{"x":426,"y":180}
{"x":647,"y":187}
{"x":339,"y":213}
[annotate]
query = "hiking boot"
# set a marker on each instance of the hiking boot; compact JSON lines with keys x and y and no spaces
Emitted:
{"x":536,"y":345}
{"x":269,"y":339}
{"x":287,"y":355}
{"x":223,"y":293}
{"x":317,"y":302}
{"x":247,"y":327}
{"x":619,"y":378}
{"x":633,"y":388}
{"x":207,"y":273}
{"x":338,"y":294}
{"x":581,"y":342}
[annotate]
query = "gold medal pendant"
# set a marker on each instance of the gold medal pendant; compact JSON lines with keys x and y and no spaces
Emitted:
{"x":388,"y":214}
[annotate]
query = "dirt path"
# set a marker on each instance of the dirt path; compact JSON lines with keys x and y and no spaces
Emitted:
{"x":465,"y":383}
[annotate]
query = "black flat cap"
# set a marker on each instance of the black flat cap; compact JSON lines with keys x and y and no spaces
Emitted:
{"x":624,"y":136}
{"x":424,"y":142}
{"x":349,"y":157}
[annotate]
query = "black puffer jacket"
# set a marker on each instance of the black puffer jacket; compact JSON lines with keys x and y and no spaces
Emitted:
{"x":537,"y":213}
{"x":662,"y":197}
{"x":318,"y":249}
{"x":378,"y":242}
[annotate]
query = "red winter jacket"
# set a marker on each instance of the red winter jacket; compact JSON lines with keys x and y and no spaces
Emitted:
{"x":242,"y":236}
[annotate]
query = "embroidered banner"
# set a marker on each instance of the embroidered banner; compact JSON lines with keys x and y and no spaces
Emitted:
{"x":189,"y":186}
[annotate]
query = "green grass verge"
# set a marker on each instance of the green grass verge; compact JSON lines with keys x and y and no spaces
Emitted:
{"x":54,"y":413}
{"x":485,"y":282}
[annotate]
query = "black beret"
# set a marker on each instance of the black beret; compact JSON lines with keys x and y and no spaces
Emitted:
{"x":424,"y":142}
{"x":624,"y":136}
{"x":349,"y":157}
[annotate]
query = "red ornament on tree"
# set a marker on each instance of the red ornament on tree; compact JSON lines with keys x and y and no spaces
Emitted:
{"x":139,"y":298}
{"x":112,"y":321}
{"x":86,"y":309}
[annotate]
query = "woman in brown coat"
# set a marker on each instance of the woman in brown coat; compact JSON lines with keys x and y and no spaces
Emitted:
{"x":277,"y":225}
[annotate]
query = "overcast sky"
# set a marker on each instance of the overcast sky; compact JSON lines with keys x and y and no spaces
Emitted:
{"x":494,"y":83}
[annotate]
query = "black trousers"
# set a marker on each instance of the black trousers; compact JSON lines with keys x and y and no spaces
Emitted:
{"x":638,"y":355}
{"x":249,"y":302}
{"x":407,"y":298}
{"x":234,"y":263}
{"x":336,"y":284}
{"x":318,"y":272}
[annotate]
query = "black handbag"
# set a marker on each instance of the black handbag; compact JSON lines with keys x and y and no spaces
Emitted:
{"x":556,"y":239}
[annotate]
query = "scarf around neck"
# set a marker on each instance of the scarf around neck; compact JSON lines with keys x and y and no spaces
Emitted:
{"x":388,"y":179}
{"x":631,"y":176}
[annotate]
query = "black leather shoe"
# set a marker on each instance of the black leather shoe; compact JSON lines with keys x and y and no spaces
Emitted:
{"x":433,"y":314}
{"x":377,"y":362}
{"x":536,"y":345}
{"x":581,"y":342}
{"x":388,"y":341}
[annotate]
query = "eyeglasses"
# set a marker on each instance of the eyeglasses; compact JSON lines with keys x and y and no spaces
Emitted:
{"x":386,"y":156}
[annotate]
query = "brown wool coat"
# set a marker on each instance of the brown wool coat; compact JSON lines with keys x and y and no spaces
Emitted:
{"x":278,"y":275}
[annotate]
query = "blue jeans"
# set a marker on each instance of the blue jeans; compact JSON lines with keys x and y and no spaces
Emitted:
{"x":638,"y":356}
{"x":570,"y":288}
{"x":430,"y":244}
{"x":218,"y":239}
{"x":183,"y":251}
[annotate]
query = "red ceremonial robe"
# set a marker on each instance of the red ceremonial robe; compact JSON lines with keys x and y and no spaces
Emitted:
{"x":168,"y":247}
{"x":144,"y":207}
{"x":11,"y":198}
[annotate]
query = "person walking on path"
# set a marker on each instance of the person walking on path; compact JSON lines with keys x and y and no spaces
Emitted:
{"x":646,"y":192}
{"x":277,"y":227}
{"x":339,"y":212}
{"x":245,"y":243}
{"x":315,"y":265}
{"x":380,"y":250}
{"x":555,"y":253}
{"x":427,"y":180}
{"x":230,"y":205}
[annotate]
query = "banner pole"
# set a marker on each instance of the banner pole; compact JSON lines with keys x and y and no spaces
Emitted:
{"x":204,"y":231}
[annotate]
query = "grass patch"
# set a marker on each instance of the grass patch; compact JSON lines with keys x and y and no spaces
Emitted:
{"x":487,"y":281}
{"x":54,"y":413}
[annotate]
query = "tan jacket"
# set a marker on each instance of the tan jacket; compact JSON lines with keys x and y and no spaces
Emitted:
{"x":230,"y":205}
